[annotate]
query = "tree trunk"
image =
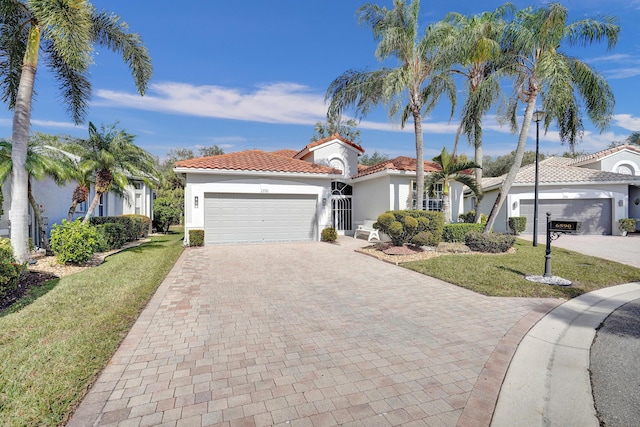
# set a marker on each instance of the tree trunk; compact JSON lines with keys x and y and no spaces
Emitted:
{"x":517,"y":161}
{"x":20,"y":140}
{"x":72,"y":209}
{"x":446,"y":205}
{"x":417,"y":124}
{"x":38,"y":219}
{"x":94,"y":203}
{"x":478,"y":160}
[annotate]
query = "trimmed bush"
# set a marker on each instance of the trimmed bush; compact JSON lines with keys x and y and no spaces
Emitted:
{"x":166,"y":212}
{"x":329,"y":234}
{"x":142,"y":223}
{"x":403,"y":226}
{"x":455,"y":233}
{"x":627,"y":224}
{"x":423,"y":238}
{"x":517,"y":224}
{"x":492,"y":242}
{"x":9,"y":270}
{"x":135,"y":226}
{"x":112,"y":234}
{"x":470,"y":217}
{"x":74,"y":242}
{"x":196,"y":237}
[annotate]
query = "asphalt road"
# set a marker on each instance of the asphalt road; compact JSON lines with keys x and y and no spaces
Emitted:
{"x":615,"y":367}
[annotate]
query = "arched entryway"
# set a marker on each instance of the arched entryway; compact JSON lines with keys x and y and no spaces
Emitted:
{"x":341,"y":207}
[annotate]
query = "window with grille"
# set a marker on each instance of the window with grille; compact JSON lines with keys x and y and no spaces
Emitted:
{"x":429,"y":203}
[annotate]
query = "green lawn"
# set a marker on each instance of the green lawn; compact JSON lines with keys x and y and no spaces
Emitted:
{"x":53,"y":349}
{"x":503,"y":274}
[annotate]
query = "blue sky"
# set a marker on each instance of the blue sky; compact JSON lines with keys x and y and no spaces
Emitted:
{"x":252,"y":74}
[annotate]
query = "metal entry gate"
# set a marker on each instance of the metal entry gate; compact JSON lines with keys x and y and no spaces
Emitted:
{"x":341,"y":214}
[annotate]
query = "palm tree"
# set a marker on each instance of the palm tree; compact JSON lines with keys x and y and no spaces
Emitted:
{"x":478,"y":53}
{"x":64,"y":32}
{"x":418,"y":75}
{"x":533,"y":41}
{"x":111,"y":155}
{"x":451,"y":171}
{"x":42,"y":161}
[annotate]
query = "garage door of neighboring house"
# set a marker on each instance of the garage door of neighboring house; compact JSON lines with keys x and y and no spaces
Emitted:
{"x":255,"y":218}
{"x":595,"y":214}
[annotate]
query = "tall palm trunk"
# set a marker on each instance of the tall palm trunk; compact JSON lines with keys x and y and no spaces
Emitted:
{"x":20,"y":140}
{"x":94,"y":203}
{"x":38,"y":218}
{"x":517,"y":161}
{"x":417,"y":124}
{"x":80,"y":194}
{"x":478,"y":160}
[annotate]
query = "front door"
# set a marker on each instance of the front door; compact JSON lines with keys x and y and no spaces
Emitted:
{"x":341,"y":207}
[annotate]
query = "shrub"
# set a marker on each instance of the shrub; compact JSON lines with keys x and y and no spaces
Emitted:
{"x":492,"y":242}
{"x":112,"y":234}
{"x":166,"y":212}
{"x":470,"y":217}
{"x":135,"y":226}
{"x":627,"y":224}
{"x":402,"y":226}
{"x":74,"y":242}
{"x":9,"y":270}
{"x":196,"y":237}
{"x":423,"y":238}
{"x":454,"y":233}
{"x":517,"y":224}
{"x":142,"y":223}
{"x":329,"y":234}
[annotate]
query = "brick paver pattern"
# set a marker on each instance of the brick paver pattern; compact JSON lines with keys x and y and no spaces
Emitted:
{"x":302,"y":334}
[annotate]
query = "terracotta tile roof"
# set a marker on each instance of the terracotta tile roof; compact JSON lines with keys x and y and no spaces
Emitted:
{"x":286,"y":152}
{"x":255,"y":160}
{"x":558,"y":170}
{"x":314,"y":144}
{"x":589,"y":158}
{"x":361,"y":168}
{"x":401,"y":163}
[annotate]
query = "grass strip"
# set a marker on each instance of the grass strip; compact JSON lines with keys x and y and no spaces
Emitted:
{"x":503,"y":274}
{"x":54,"y":348}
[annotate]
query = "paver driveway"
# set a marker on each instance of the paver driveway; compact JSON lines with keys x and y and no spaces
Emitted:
{"x":308,"y":334}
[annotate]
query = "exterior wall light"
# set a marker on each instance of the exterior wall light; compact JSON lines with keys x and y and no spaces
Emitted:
{"x":195,"y":202}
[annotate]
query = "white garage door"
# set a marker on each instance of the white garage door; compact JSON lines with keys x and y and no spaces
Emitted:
{"x":252,"y":218}
{"x":595,"y":214}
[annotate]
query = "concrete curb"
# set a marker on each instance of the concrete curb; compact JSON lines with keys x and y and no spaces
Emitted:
{"x":548,"y":380}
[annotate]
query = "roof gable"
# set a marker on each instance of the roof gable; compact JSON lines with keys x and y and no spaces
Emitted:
{"x":256,"y":161}
{"x":315,"y":145}
{"x":401,"y":163}
{"x":592,"y":158}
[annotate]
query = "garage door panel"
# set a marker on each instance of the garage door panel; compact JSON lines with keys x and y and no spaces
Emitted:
{"x":250,"y":218}
{"x":595,"y":214}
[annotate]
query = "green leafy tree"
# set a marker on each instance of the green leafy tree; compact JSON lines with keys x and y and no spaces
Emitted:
{"x":64,"y":33}
{"x":167,"y":212}
{"x":533,"y":41}
{"x":336,"y":125}
{"x":451,"y":171}
{"x":373,"y":159}
{"x":42,"y":161}
{"x":500,"y":165}
{"x":212,"y":150}
{"x":413,"y":88}
{"x":112,"y":158}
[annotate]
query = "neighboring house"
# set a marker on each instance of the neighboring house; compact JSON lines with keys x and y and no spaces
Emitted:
{"x":288,"y":195}
{"x":597,"y":189}
{"x":55,"y":201}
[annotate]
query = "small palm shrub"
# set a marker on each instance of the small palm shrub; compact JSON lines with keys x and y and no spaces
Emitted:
{"x":455,"y":233}
{"x":329,"y":234}
{"x":196,"y":237}
{"x":403,"y":225}
{"x":517,"y":224}
{"x":73,"y":242}
{"x":492,"y":242}
{"x":9,"y":270}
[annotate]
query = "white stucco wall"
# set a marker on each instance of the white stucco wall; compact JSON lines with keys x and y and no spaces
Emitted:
{"x":370,"y":199}
{"x":197,"y":184}
{"x":337,"y":150}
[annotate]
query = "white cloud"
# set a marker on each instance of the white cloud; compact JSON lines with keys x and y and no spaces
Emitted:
{"x":623,"y":73}
{"x":58,"y":125}
{"x":287,"y":103}
{"x":627,"y":121}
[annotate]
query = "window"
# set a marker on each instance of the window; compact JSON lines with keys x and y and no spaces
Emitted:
{"x":102,"y":205}
{"x":341,"y":189}
{"x":337,"y":164}
{"x":138,"y":204}
{"x":429,"y":203}
{"x":81,"y":207}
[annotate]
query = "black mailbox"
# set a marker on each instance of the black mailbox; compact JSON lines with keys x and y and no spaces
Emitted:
{"x":565,"y":226}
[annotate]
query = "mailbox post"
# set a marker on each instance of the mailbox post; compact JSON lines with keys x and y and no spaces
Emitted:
{"x":554,"y":228}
